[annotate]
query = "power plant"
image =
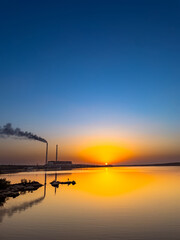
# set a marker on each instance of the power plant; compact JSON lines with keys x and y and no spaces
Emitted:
{"x":8,"y":131}
{"x":57,"y":164}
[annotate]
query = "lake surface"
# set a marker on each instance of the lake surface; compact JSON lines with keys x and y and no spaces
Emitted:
{"x":106,"y":203}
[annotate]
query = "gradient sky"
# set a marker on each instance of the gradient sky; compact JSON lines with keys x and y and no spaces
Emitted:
{"x":99,"y":78}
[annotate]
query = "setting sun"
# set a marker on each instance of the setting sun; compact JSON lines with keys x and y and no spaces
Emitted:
{"x":105,"y":154}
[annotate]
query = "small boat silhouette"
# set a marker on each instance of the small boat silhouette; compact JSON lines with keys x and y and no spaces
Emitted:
{"x":56,"y":183}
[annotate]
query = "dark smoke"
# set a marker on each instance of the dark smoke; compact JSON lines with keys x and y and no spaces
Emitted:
{"x":8,"y":131}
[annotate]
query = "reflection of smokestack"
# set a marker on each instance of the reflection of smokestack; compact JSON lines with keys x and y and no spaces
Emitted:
{"x":56,"y":153}
{"x":45,"y":185}
{"x":46,"y":153}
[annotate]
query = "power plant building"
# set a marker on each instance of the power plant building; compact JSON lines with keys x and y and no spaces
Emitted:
{"x":59,"y":164}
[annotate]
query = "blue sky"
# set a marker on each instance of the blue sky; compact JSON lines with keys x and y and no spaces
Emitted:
{"x":95,"y":64}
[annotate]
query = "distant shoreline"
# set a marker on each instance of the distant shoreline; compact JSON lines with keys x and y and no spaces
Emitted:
{"x":6,"y":169}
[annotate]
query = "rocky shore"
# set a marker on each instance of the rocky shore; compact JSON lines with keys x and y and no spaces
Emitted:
{"x":14,"y":190}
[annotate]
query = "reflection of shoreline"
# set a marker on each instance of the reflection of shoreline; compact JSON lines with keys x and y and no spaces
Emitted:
{"x":24,"y":206}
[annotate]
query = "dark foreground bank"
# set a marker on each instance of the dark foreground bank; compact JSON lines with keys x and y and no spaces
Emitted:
{"x":14,"y":190}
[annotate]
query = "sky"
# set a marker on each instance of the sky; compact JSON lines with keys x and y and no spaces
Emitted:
{"x":99,"y":78}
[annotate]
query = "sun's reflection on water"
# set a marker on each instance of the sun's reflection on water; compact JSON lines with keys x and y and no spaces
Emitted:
{"x":104,"y":202}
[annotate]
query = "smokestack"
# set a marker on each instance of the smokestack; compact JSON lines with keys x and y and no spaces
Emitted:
{"x":46,"y":152}
{"x":56,"y":153}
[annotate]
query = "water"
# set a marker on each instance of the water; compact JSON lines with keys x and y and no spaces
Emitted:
{"x":106,"y":203}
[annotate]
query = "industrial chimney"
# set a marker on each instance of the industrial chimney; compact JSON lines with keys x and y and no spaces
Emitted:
{"x":47,"y":153}
{"x":56,"y":153}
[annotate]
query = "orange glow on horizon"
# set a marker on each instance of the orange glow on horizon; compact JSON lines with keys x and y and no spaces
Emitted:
{"x":105,"y":154}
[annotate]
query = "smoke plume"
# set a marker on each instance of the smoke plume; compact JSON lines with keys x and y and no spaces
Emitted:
{"x":8,"y":131}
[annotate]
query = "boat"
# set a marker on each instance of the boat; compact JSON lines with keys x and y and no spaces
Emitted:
{"x":56,"y":183}
{"x":68,"y":182}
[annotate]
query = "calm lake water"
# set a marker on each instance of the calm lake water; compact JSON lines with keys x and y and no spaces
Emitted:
{"x":106,"y":203}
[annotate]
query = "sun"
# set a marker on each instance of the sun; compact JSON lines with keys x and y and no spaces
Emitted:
{"x":105,"y":153}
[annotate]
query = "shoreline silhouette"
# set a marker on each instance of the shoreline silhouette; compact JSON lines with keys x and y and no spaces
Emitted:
{"x":6,"y":169}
